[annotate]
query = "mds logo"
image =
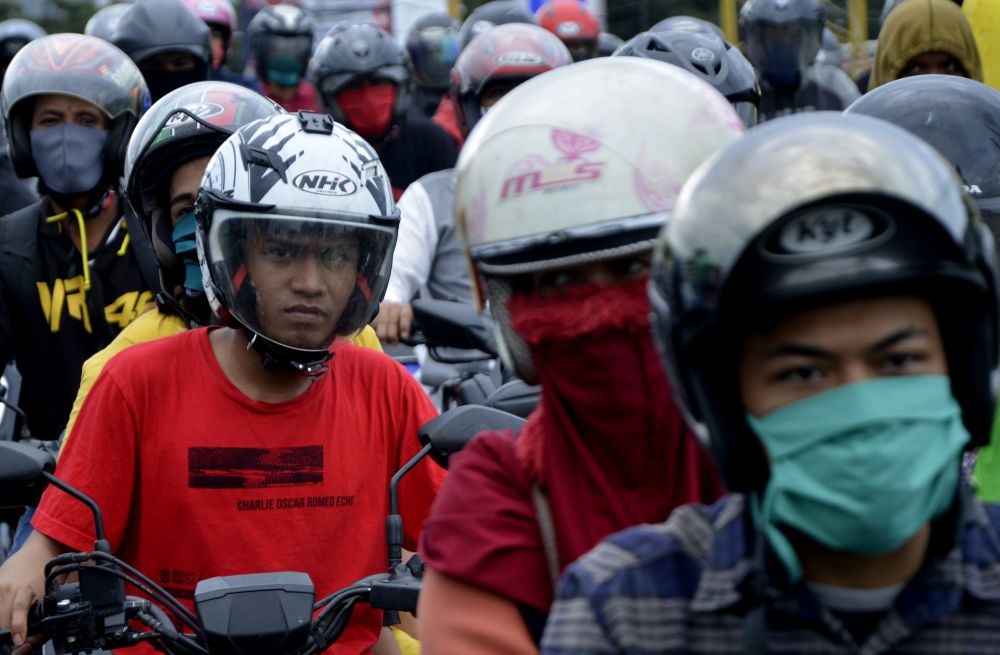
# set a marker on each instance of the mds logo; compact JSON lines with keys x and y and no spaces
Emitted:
{"x":325,"y":183}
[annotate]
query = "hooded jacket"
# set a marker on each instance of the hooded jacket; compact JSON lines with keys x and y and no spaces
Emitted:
{"x":916,"y":27}
{"x":984,"y":17}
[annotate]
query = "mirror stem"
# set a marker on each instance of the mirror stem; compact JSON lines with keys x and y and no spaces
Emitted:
{"x":101,"y":544}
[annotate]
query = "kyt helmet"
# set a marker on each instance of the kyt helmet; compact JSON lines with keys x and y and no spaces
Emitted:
{"x":506,"y":53}
{"x":433,"y":48}
{"x":349,"y":53}
{"x":782,"y":38}
{"x":281,"y":38}
{"x":709,"y":57}
{"x":556,"y":176}
{"x":607,"y":43}
{"x":15,"y":33}
{"x":575,"y":23}
{"x":186,"y":124}
{"x":152,"y":29}
{"x":688,"y":24}
{"x":880,"y":213}
{"x":296,"y":226}
{"x":83,"y":67}
{"x":959,"y":117}
{"x":104,"y":22}
{"x":491,"y":14}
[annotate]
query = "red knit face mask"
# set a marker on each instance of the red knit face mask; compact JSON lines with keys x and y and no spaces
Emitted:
{"x":368,"y":109}
{"x":595,"y":359}
{"x":606,"y":443}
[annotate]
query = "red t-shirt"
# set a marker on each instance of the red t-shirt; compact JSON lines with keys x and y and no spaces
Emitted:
{"x":446,"y":119}
{"x":197,"y":480}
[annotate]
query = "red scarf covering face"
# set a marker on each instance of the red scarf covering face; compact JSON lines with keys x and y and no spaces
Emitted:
{"x":606,"y":444}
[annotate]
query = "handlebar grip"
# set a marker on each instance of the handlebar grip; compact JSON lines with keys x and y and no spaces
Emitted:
{"x":35,"y":617}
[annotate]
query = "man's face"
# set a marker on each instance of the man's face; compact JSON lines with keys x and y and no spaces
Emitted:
{"x":817,"y":350}
{"x":303,"y":283}
{"x":170,"y":62}
{"x":933,"y":63}
{"x":184,"y":183}
{"x":53,"y":109}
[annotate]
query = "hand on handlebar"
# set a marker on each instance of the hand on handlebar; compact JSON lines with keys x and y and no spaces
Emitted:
{"x":393,"y":322}
{"x":22,"y":583}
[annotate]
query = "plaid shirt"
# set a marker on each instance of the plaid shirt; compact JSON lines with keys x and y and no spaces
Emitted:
{"x":684,"y":587}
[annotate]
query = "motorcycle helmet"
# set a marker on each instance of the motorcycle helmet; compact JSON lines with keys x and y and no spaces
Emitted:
{"x":959,"y":117}
{"x":15,"y":33}
{"x":491,"y":14}
{"x":281,"y":39}
{"x":218,"y":15}
{"x":105,"y":20}
{"x":781,"y":38}
{"x":554,"y":175}
{"x":880,"y":213}
{"x":83,"y":67}
{"x":575,"y":23}
{"x":709,"y":57}
{"x":607,"y":43}
{"x":688,"y":24}
{"x":433,"y":48}
{"x":507,"y":53}
{"x":296,"y":226}
{"x":155,"y":29}
{"x":349,"y":53}
{"x":186,"y":124}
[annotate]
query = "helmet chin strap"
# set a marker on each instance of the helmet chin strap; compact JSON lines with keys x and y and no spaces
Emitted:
{"x":310,"y":363}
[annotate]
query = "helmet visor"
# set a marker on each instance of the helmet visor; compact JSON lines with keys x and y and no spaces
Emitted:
{"x":298,"y":281}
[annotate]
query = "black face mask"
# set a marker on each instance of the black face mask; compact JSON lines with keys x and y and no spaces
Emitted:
{"x":162,"y":82}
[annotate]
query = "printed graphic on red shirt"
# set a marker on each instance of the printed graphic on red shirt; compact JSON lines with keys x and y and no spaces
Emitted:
{"x":240,"y":468}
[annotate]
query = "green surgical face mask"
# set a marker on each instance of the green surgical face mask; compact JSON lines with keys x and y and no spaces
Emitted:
{"x":862,"y":467}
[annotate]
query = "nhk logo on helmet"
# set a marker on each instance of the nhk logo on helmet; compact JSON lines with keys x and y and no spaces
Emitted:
{"x":535,"y":172}
{"x":325,"y":183}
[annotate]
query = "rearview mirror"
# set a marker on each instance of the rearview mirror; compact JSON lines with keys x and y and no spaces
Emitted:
{"x":22,"y":474}
{"x":451,"y":431}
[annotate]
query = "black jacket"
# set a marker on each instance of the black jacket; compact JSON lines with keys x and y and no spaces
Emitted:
{"x":50,"y":324}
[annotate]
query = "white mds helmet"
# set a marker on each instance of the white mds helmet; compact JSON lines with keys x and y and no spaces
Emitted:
{"x":580,"y":164}
{"x":296,"y":226}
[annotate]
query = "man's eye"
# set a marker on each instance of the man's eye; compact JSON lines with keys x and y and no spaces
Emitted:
{"x":335,"y":256}
{"x":799,"y":374}
{"x":279,"y":251}
{"x":902,"y":362}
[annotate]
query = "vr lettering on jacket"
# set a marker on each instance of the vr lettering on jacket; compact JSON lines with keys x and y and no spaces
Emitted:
{"x":67,"y":295}
{"x":551,"y":176}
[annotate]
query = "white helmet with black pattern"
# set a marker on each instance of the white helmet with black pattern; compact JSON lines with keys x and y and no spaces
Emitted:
{"x":296,"y":226}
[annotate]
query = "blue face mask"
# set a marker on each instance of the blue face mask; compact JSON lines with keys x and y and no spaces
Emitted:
{"x":187,"y":251}
{"x":862,"y":467}
{"x":284,"y":70}
{"x":69,"y":157}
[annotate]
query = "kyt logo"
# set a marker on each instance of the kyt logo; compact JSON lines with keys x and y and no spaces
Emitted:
{"x":325,"y":183}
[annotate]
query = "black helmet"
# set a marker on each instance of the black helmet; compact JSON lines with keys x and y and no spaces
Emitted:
{"x":281,"y":38}
{"x":433,"y":48}
{"x":75,"y":65}
{"x":880,"y":213}
{"x":350,"y":52}
{"x":688,"y":24}
{"x":495,"y":12}
{"x":959,"y":117}
{"x":105,"y":20}
{"x":186,"y":124}
{"x":15,"y":33}
{"x":158,"y":27}
{"x":709,"y":57}
{"x":607,"y":43}
{"x":782,"y":38}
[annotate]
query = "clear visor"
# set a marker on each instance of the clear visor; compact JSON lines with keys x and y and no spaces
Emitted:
{"x":299,"y":281}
